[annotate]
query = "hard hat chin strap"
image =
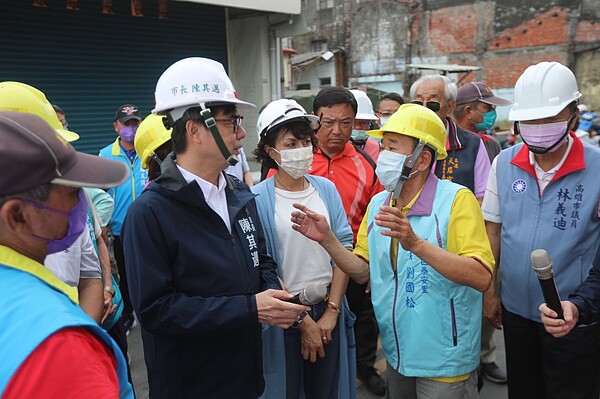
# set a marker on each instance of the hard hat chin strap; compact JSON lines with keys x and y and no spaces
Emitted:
{"x":211,"y":124}
{"x":407,"y":168}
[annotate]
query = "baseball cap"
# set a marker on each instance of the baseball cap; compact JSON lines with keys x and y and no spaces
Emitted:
{"x":128,"y":112}
{"x":478,"y":91}
{"x":32,"y":153}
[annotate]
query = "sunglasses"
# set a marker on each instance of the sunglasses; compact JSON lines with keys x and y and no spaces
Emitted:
{"x":432,"y":105}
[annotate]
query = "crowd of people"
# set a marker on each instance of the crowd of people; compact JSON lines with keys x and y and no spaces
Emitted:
{"x":403,"y":223}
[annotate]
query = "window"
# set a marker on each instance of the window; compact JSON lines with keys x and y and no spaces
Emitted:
{"x":318,"y":45}
{"x":325,"y":82}
{"x":324,"y":4}
{"x":303,"y":86}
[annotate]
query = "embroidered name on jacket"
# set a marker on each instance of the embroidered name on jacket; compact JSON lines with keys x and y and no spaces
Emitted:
{"x":416,"y":282}
{"x":568,"y":204}
{"x":248,"y":229}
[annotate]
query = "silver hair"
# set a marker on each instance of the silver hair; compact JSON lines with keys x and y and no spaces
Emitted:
{"x":451,"y":91}
{"x":37,"y":194}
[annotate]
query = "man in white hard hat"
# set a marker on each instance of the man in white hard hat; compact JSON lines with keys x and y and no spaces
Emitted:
{"x":544,"y":194}
{"x":200,"y":277}
{"x":364,"y":121}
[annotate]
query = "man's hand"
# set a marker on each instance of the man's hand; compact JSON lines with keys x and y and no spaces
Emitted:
{"x":398,"y":225}
{"x":309,"y":223}
{"x":275,"y":311}
{"x":109,"y":308}
{"x":492,"y":309}
{"x":558,"y":327}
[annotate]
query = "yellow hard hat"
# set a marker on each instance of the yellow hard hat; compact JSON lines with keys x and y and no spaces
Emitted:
{"x":419,"y":122}
{"x":150,"y":135}
{"x":19,"y":97}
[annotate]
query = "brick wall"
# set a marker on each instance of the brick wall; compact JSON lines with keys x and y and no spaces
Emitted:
{"x":454,"y":29}
{"x":502,"y":37}
{"x":587,"y":31}
{"x":503,"y":70}
{"x":545,"y":29}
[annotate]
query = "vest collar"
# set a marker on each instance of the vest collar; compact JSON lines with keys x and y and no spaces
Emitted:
{"x":13,"y":259}
{"x":423,"y":206}
{"x":452,"y":140}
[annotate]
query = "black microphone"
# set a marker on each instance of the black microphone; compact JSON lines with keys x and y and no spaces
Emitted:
{"x":542,"y":266}
{"x":310,"y":295}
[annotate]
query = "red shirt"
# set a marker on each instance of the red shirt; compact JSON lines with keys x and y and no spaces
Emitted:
{"x":354,"y":179}
{"x":71,"y":363}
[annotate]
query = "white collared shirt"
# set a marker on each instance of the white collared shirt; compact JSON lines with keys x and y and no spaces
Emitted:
{"x":214,"y":195}
{"x":544,"y":177}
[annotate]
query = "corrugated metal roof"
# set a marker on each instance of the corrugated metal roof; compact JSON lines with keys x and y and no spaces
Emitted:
{"x":90,"y":63}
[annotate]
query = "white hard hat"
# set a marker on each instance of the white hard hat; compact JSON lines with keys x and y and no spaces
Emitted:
{"x":365,"y":107}
{"x":191,"y":82}
{"x":583,"y":108}
{"x":542,"y":91}
{"x":278,"y":112}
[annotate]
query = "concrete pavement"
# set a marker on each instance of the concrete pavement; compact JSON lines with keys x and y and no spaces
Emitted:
{"x":138,"y":370}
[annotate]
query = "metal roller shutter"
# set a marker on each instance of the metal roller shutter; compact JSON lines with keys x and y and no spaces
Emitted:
{"x":89,"y":63}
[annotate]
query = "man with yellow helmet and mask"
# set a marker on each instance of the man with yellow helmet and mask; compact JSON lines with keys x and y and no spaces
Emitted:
{"x":152,"y":144}
{"x":423,"y":245}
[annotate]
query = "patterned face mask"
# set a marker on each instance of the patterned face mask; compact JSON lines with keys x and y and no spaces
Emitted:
{"x":295,"y":162}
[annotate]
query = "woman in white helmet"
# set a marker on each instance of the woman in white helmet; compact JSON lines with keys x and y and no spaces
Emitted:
{"x":304,"y":361}
{"x":544,"y":194}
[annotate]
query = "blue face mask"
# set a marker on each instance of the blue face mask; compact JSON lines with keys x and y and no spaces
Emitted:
{"x":489,"y":118}
{"x":360,"y":135}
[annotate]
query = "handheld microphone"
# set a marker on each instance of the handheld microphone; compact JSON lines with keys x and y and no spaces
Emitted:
{"x":310,"y":295}
{"x":542,"y":266}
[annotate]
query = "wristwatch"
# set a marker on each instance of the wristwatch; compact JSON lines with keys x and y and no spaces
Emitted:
{"x":110,"y":289}
{"x":300,"y":319}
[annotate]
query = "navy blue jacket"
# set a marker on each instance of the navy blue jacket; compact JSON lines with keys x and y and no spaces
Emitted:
{"x":459,"y":165}
{"x":587,"y":295}
{"x":192,"y":284}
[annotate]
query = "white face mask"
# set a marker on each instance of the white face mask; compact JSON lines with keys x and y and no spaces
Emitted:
{"x":295,"y":162}
{"x":389,"y":168}
{"x":383,"y":120}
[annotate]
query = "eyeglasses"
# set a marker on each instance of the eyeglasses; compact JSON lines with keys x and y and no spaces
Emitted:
{"x":432,"y":105}
{"x":235,"y":121}
{"x":329,"y":123}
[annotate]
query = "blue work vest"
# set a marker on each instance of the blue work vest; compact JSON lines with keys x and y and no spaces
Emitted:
{"x":429,"y":325}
